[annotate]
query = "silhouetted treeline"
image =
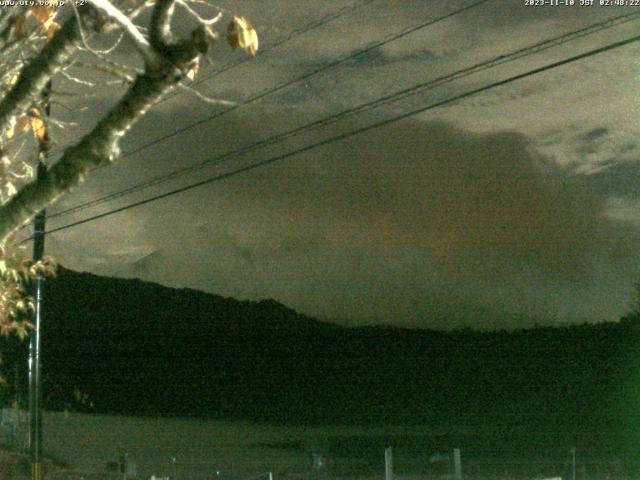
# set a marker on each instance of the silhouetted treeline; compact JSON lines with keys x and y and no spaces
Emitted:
{"x":125,"y":346}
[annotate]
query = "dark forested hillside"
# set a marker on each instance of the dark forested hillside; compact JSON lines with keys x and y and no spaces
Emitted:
{"x":140,"y":348}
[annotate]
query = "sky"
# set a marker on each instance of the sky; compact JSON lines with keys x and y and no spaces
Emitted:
{"x":514,"y":207}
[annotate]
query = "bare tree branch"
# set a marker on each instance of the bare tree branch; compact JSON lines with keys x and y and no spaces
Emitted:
{"x":111,"y":68}
{"x":138,"y":10}
{"x":194,"y":14}
{"x":141,"y":43}
{"x":205,"y":98}
{"x":54,"y":55}
{"x":161,"y":24}
{"x":100,"y":146}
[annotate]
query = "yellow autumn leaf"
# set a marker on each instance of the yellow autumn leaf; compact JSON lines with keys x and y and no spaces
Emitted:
{"x":33,"y":122}
{"x":45,"y":16}
{"x":241,"y":34}
{"x":22,"y":332}
{"x":38,"y":128}
{"x":50,"y":29}
{"x":42,"y":13}
{"x":191,"y":74}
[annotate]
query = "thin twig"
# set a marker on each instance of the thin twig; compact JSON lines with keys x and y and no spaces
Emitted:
{"x":68,"y":108}
{"x":34,"y":77}
{"x":137,"y":11}
{"x":114,"y":46}
{"x":204,"y":98}
{"x":60,"y":123}
{"x":208,"y":4}
{"x":83,"y":37}
{"x":195,"y":14}
{"x":77,"y":80}
{"x":112,"y":68}
{"x":129,"y":27}
{"x":63,"y":93}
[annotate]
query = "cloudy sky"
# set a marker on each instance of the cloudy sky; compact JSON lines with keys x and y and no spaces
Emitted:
{"x":512,"y":207}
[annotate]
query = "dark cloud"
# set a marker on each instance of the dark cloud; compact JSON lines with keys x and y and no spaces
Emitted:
{"x":419,"y":223}
{"x":595,"y":134}
{"x":621,"y":179}
{"x":423,"y":222}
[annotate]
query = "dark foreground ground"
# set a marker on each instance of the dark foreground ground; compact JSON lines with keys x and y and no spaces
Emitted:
{"x":222,"y":450}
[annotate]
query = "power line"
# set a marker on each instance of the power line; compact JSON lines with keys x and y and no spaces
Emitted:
{"x":291,"y":35}
{"x":332,"y":64}
{"x":404,"y":93}
{"x":354,"y":132}
{"x":306,"y":76}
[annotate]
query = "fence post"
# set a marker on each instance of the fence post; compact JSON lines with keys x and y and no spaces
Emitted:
{"x":388,"y":464}
{"x":457,"y":464}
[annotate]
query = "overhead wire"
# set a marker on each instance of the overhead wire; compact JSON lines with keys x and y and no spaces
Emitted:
{"x":290,"y":36}
{"x":387,"y":99}
{"x":339,"y":61}
{"x":351,"y":133}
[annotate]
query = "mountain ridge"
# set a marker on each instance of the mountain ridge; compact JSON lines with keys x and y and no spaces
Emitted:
{"x":130,"y":347}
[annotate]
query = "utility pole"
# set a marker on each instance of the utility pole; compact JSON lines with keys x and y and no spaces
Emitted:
{"x":35,"y":376}
{"x":573,"y":455}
